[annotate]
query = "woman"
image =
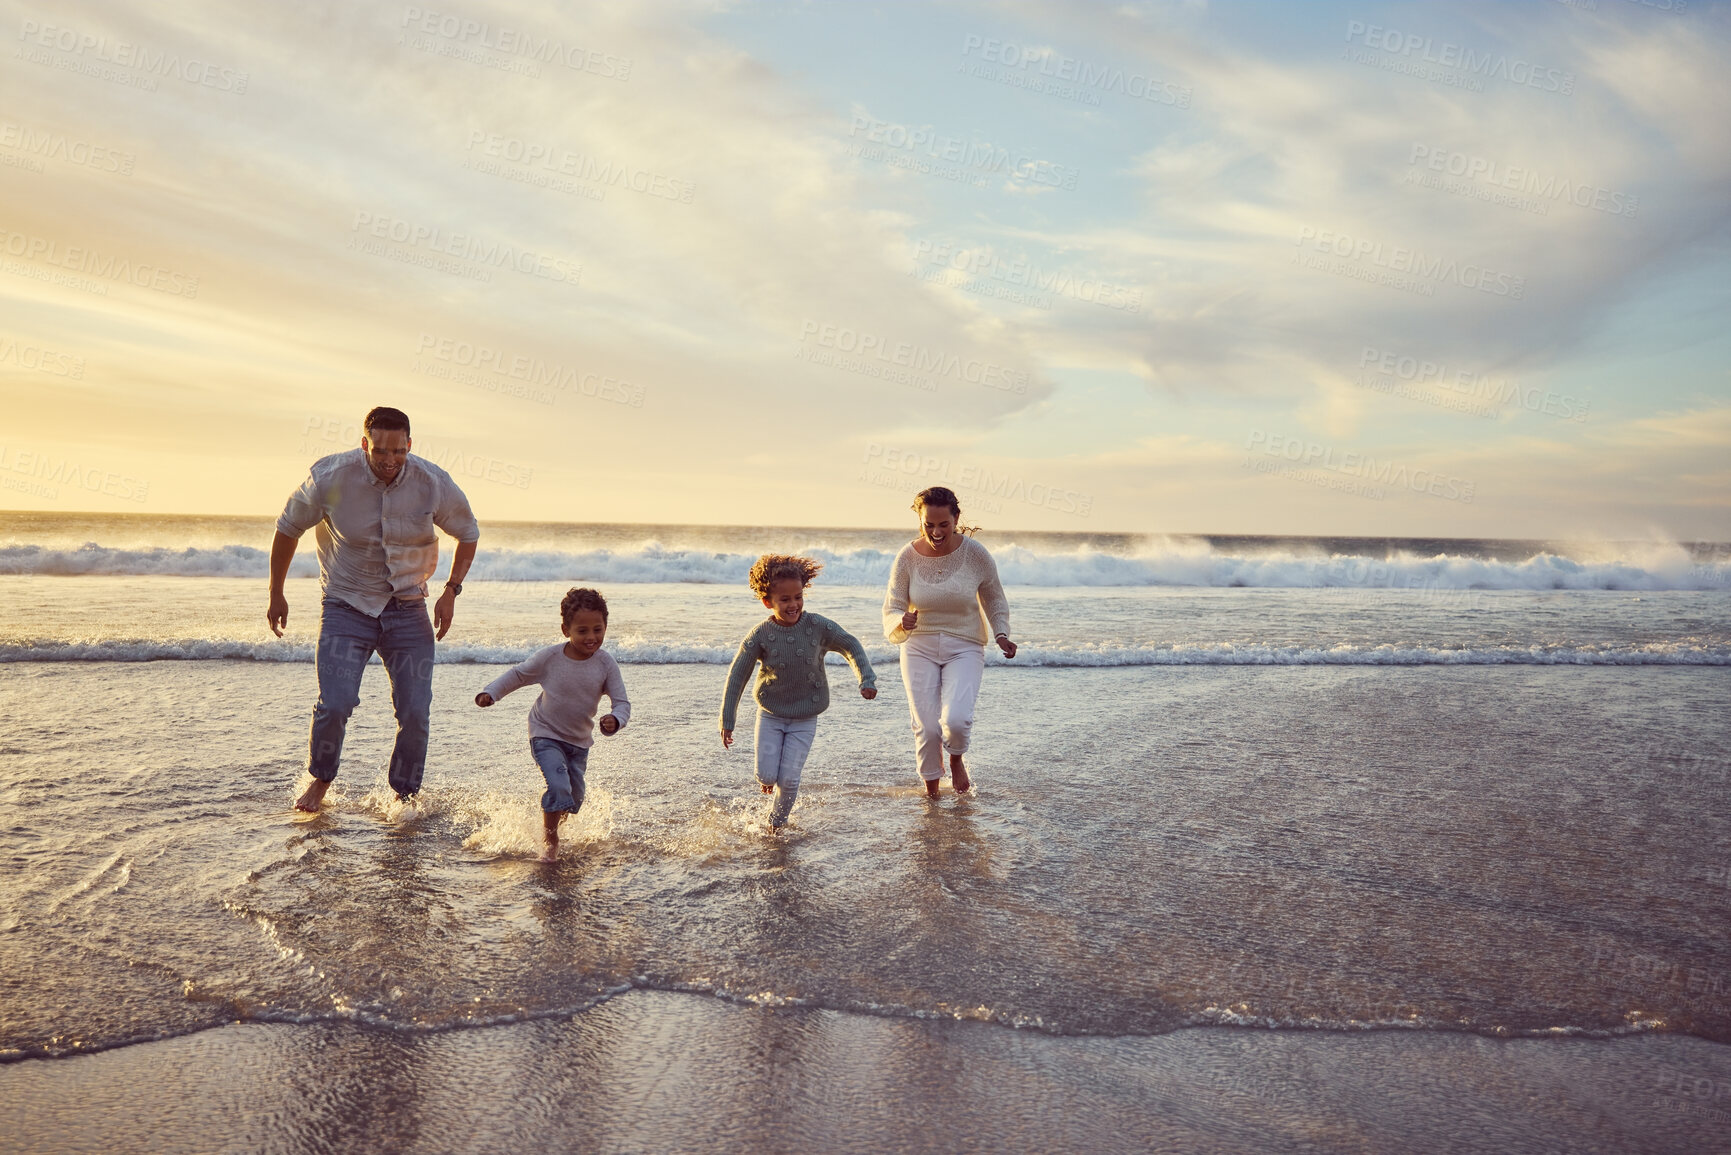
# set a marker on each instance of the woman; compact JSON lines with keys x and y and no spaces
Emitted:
{"x":943,"y":598}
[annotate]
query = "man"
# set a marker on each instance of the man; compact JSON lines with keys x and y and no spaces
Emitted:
{"x":375,"y":508}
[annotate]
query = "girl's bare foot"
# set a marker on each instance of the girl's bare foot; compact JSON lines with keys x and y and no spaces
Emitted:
{"x":313,"y":797}
{"x":959,"y":775}
{"x":549,"y":851}
{"x":931,"y":788}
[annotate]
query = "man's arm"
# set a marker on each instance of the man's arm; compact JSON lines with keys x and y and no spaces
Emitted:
{"x":444,"y":608}
{"x":282,"y":552}
{"x":304,"y":510}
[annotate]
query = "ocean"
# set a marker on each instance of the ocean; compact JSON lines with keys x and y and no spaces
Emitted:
{"x":1275,"y":842}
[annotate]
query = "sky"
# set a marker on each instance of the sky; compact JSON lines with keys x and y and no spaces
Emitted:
{"x":1431,"y":269}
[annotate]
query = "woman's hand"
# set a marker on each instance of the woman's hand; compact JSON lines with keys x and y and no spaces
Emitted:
{"x":483,"y":699}
{"x":910,"y":619}
{"x":868,"y":692}
{"x":1006,"y":645}
{"x":726,"y":739}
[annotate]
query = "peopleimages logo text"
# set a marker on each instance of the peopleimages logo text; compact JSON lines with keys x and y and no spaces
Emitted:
{"x":1070,"y":70}
{"x":516,"y":42}
{"x":152,"y":61}
{"x":1523,"y":180}
{"x":981,"y":156}
{"x":1473,"y":383}
{"x":916,"y":358}
{"x":906,"y":466}
{"x":1362,"y":466}
{"x":466,"y":247}
{"x":1403,"y":260}
{"x":1490,"y":66}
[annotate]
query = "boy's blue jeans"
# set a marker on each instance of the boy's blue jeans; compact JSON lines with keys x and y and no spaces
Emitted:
{"x":403,"y":637}
{"x":562,"y":764}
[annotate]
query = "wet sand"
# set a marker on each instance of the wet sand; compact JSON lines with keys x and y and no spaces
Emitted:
{"x":673,"y":1072}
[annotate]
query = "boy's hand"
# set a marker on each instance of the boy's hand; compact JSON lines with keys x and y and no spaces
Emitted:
{"x":483,"y":699}
{"x":868,"y":692}
{"x":910,"y":619}
{"x":726,"y":739}
{"x":610,"y":725}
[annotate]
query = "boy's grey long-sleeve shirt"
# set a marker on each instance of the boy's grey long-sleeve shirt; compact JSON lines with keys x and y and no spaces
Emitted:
{"x":791,"y":682}
{"x":570,"y":692}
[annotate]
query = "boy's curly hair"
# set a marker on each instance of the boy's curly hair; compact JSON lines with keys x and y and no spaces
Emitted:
{"x":775,"y":567}
{"x":581,"y":599}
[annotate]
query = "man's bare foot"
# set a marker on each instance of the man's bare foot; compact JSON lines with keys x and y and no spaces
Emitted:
{"x":959,"y":775}
{"x":767,"y":788}
{"x":931,"y":788}
{"x":313,"y":798}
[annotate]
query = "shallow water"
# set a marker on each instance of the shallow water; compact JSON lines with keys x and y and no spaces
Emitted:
{"x":1507,"y":851}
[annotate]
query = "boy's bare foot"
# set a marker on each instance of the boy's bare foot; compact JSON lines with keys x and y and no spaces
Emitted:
{"x":931,"y":788}
{"x":959,"y":775}
{"x":313,"y":798}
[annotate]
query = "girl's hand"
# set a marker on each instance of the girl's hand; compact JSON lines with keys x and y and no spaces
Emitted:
{"x":1006,"y":645}
{"x":726,"y":739}
{"x":910,"y":620}
{"x":609,"y":725}
{"x":483,"y":699}
{"x":868,"y":692}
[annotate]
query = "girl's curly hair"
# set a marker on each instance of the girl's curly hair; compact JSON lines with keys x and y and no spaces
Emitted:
{"x":581,"y":599}
{"x":775,"y":567}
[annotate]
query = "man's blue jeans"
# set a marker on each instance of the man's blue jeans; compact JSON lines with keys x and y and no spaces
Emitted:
{"x":403,"y":637}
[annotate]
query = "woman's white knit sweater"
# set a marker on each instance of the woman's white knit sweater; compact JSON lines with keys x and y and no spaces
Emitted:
{"x":958,"y":594}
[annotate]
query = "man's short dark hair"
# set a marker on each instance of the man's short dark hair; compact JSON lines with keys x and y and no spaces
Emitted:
{"x":384,"y":417}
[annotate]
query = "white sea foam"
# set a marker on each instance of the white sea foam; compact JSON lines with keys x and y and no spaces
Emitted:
{"x":1166,"y":562}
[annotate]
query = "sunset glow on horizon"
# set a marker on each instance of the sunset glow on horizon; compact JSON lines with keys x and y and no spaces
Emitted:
{"x":1383,"y":269}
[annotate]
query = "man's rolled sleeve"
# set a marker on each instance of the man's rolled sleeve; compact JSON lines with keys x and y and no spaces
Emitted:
{"x":305,"y":509}
{"x":454,"y":516}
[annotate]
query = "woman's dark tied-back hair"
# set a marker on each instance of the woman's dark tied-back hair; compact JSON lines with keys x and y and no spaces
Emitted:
{"x":940,"y":495}
{"x":583,"y":599}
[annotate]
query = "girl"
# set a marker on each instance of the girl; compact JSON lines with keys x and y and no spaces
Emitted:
{"x":943,"y":595}
{"x":572,"y":678}
{"x":792,"y":688}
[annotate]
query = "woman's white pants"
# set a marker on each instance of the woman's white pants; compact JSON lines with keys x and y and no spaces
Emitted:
{"x":942,"y":676}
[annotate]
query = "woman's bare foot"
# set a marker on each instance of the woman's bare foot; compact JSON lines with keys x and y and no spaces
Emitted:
{"x":959,"y":775}
{"x":313,"y":798}
{"x":931,"y":788}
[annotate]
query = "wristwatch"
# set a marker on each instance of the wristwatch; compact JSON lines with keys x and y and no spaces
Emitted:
{"x":454,"y":587}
